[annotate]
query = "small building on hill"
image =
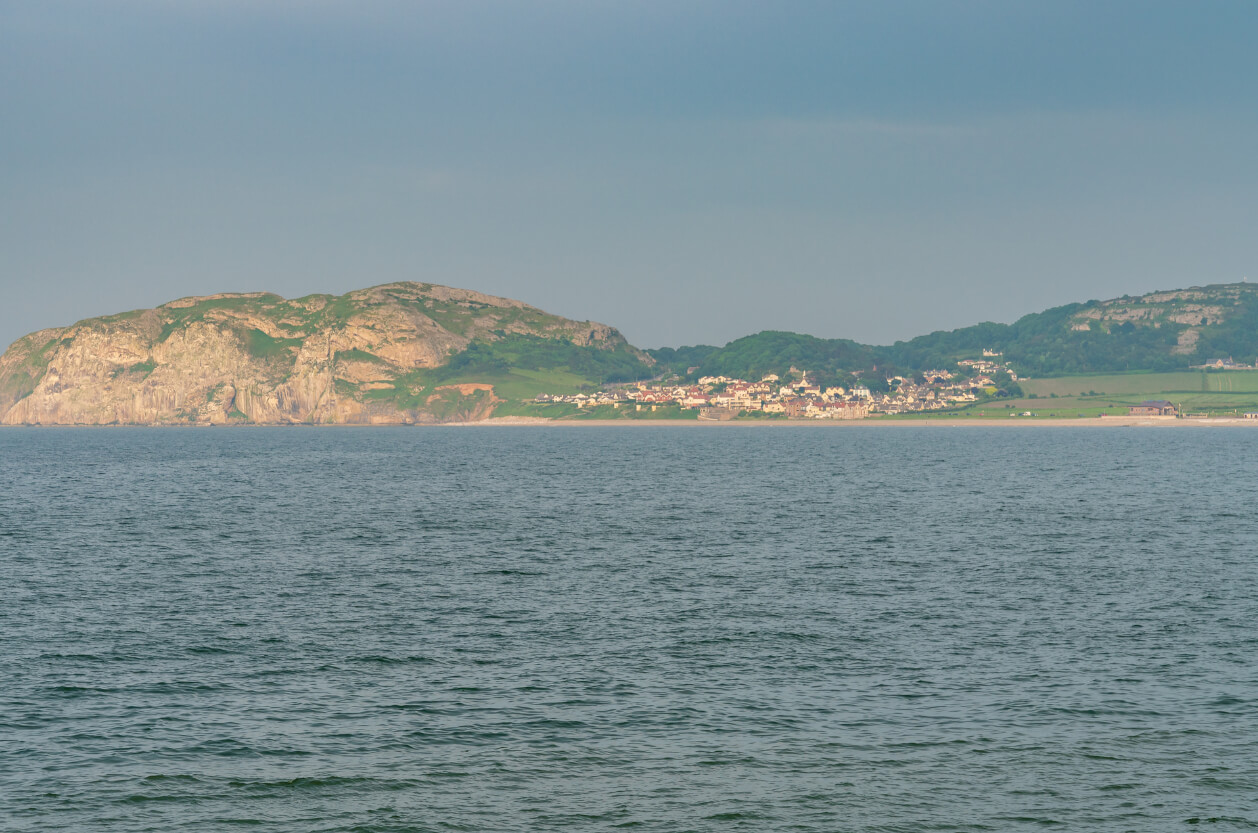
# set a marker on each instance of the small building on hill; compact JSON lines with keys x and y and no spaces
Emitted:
{"x":1152,"y":407}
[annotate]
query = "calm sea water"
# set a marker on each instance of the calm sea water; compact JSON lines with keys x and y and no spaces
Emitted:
{"x":647,"y":628}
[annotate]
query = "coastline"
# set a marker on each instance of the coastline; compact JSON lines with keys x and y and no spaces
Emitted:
{"x":542,"y":422}
{"x":1050,"y":422}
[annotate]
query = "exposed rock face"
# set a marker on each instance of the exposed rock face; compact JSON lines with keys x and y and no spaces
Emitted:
{"x":369,"y":356}
{"x":1198,"y":306}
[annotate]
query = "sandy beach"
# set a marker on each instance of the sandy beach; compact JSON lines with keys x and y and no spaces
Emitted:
{"x":784,"y":424}
{"x":942,"y":422}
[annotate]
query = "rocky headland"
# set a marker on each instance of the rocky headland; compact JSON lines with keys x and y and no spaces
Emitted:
{"x":384,"y":355}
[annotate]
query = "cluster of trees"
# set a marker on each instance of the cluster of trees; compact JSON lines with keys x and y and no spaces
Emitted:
{"x":828,"y":361}
{"x":680,"y":359}
{"x":1043,"y":344}
{"x":1237,"y":337}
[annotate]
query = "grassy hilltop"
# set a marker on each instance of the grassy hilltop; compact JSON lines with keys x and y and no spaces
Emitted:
{"x":1160,"y":331}
{"x":420,"y":353}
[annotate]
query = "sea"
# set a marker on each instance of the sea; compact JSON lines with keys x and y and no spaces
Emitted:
{"x":647,"y":628}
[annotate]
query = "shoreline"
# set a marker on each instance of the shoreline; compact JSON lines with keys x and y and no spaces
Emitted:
{"x":542,"y":422}
{"x":1050,"y":422}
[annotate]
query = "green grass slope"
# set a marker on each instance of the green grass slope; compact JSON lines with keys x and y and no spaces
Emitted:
{"x":1160,"y":331}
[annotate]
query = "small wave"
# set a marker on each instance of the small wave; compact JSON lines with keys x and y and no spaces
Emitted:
{"x":1230,"y":820}
{"x":1228,"y":700}
{"x":1040,"y":820}
{"x":419,"y":708}
{"x":83,"y":657}
{"x":381,"y":659}
{"x":151,"y":799}
{"x":349,"y":782}
{"x":180,"y":687}
{"x":161,"y":778}
{"x":728,"y":762}
{"x":242,"y":822}
{"x":70,"y":692}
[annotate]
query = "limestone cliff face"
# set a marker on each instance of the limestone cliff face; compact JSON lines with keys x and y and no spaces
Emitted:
{"x":376,"y":355}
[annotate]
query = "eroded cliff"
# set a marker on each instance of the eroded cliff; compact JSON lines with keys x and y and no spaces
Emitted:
{"x":398,"y":353}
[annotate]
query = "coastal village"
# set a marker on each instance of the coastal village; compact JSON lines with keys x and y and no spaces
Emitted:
{"x":798,"y":397}
{"x":720,"y":398}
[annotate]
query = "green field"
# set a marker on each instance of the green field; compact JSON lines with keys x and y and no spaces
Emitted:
{"x":519,"y":384}
{"x":549,"y":410}
{"x":569,"y":411}
{"x":1153,"y":384}
{"x":515,"y":385}
{"x":630,"y":412}
{"x":1217,"y":404}
{"x":1204,"y":392}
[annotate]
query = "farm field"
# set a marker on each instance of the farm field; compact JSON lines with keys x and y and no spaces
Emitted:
{"x":1216,"y":404}
{"x":1152,"y":384}
{"x":1204,"y":392}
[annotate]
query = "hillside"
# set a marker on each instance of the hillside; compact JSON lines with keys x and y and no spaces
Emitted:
{"x":398,"y":353}
{"x":771,"y":351}
{"x":421,"y":353}
{"x":1160,"y":331}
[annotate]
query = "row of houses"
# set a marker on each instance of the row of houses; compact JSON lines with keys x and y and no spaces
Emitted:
{"x":721,"y":397}
{"x":1223,"y":364}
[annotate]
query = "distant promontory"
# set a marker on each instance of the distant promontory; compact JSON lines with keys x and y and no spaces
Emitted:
{"x":420,"y":353}
{"x":398,"y":353}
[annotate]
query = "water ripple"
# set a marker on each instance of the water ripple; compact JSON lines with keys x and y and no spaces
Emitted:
{"x":650,"y":630}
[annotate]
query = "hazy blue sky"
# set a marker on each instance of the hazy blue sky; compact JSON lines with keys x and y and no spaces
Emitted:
{"x":686,"y":171}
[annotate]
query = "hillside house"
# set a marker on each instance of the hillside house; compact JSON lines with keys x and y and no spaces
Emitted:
{"x":1152,"y":407}
{"x":797,"y":408}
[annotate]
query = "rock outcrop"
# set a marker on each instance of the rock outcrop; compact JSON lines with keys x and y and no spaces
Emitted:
{"x":378,"y":355}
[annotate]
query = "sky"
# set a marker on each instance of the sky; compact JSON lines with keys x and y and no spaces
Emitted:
{"x":689,"y":172}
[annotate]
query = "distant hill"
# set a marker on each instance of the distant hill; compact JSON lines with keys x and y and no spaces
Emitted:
{"x":1160,"y":331}
{"x":402,"y":352}
{"x":752,"y":357}
{"x":1169,"y":330}
{"x":417,"y":353}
